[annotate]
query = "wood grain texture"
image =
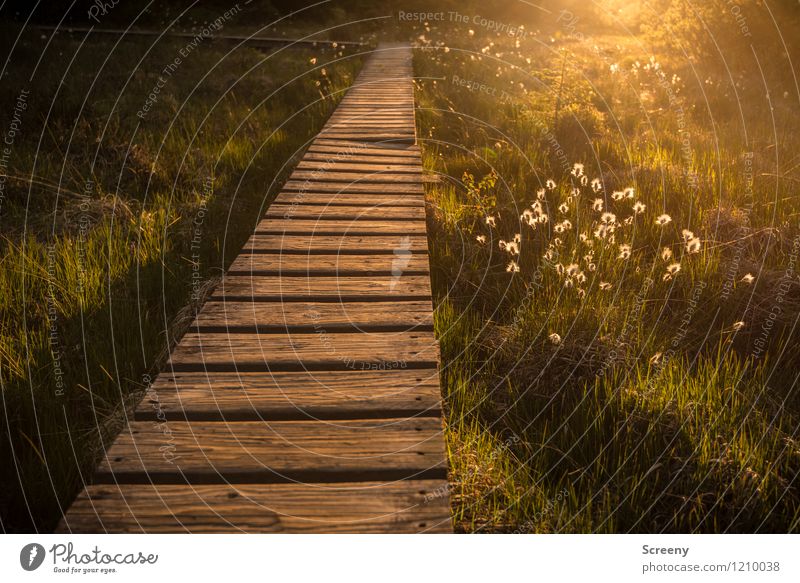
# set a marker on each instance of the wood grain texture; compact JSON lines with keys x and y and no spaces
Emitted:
{"x":369,"y":136}
{"x":316,"y":186}
{"x":345,"y":166}
{"x":365,"y":158}
{"x":407,"y":506}
{"x":334,"y":175}
{"x":353,"y":148}
{"x":276,"y":451}
{"x":346,"y":212}
{"x":350,"y":394}
{"x":357,"y":226}
{"x":335,"y":244}
{"x":331,"y":288}
{"x":372,"y":117}
{"x":359,"y":124}
{"x":401,"y":262}
{"x":350,"y":199}
{"x":358,"y":315}
{"x":315,"y":350}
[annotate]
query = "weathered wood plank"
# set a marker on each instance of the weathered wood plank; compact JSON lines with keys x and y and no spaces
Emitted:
{"x":394,"y":188}
{"x":370,"y":110}
{"x":361,"y":148}
{"x":350,"y":394}
{"x":320,"y":316}
{"x":334,"y":244}
{"x":373,"y":93}
{"x":369,"y":136}
{"x":406,"y":118}
{"x":371,"y":122}
{"x":351,"y":226}
{"x":377,"y":101}
{"x":328,"y":157}
{"x":317,"y":393}
{"x":346,"y":213}
{"x":259,"y":451}
{"x":354,"y":127}
{"x":316,"y":350}
{"x":360,"y":168}
{"x":409,"y":506}
{"x":402,"y":261}
{"x":331,"y":288}
{"x":350,"y":198}
{"x":335,"y":175}
{"x":387,"y":101}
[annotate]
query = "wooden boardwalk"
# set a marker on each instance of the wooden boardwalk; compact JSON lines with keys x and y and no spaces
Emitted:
{"x":305,"y":397}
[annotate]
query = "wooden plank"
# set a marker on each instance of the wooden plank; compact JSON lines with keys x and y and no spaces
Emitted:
{"x":348,"y":110}
{"x":406,"y":117}
{"x":360,"y":122}
{"x":405,"y":161}
{"x":371,"y":196}
{"x":334,"y":175}
{"x":360,"y":148}
{"x":350,"y":394}
{"x":378,"y":152}
{"x":359,"y":125}
{"x":323,"y":288}
{"x":334,"y":244}
{"x":371,"y":121}
{"x":316,"y":350}
{"x":368,"y":122}
{"x":402,"y":261}
{"x":369,"y":136}
{"x":362,"y":167}
{"x":350,"y":199}
{"x":387,"y":101}
{"x":376,"y":84}
{"x":346,"y":213}
{"x":315,"y":316}
{"x":276,"y":451}
{"x":387,"y":108}
{"x":353,"y":226}
{"x":409,"y":506}
{"x":365,"y":134}
{"x":395,"y":188}
{"x":379,"y":98}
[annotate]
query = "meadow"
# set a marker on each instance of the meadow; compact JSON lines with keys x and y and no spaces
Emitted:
{"x":614,"y":245}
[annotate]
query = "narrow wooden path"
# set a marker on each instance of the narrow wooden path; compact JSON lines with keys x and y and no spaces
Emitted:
{"x":305,"y":398}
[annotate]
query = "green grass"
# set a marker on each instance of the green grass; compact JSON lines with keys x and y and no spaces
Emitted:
{"x":656,"y":410}
{"x":117,"y":228}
